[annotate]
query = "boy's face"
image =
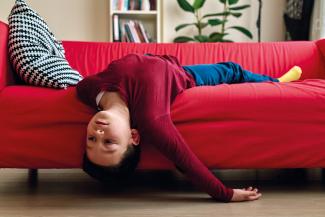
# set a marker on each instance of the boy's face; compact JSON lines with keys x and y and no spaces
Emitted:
{"x":108,"y":137}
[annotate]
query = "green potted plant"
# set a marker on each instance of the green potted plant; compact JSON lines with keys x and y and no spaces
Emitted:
{"x":230,"y":9}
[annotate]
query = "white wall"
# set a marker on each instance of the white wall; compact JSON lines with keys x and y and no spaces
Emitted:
{"x":86,"y":20}
{"x":83,"y":20}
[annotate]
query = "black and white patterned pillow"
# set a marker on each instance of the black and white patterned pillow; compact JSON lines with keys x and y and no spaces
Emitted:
{"x":36,"y":55}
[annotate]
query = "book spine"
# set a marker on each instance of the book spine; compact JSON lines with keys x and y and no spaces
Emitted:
{"x":114,"y":2}
{"x":124,"y":37}
{"x":116,"y":29}
{"x":132,"y":4}
{"x":134,"y":32}
{"x":139,"y":4}
{"x":146,"y":40}
{"x":126,"y":5}
{"x":153,"y":4}
{"x":137,"y":28}
{"x":120,"y":5}
{"x":128,"y":32}
{"x":145,"y":5}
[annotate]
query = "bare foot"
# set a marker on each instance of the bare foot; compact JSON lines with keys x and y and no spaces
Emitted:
{"x":248,"y":194}
{"x":292,"y":75}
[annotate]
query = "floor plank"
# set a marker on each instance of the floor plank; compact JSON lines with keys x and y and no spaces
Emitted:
{"x":72,"y":194}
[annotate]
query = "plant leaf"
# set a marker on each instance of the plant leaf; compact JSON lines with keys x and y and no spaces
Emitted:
{"x":239,"y":7}
{"x":236,"y":14}
{"x":201,"y":38}
{"x":242,"y":30}
{"x":182,"y":39}
{"x":216,"y":36}
{"x":185,"y":6}
{"x":227,"y":40}
{"x":217,"y":14}
{"x":198,"y":4}
{"x":232,"y":2}
{"x":216,"y":22}
{"x":183,"y":26}
{"x":223,"y":1}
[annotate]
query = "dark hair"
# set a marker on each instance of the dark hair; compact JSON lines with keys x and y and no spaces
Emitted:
{"x":117,"y":173}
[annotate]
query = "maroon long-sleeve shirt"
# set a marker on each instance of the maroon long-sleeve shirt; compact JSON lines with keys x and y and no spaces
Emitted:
{"x":149,"y":85}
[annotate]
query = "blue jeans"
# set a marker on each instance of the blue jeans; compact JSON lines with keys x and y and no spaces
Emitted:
{"x":225,"y":72}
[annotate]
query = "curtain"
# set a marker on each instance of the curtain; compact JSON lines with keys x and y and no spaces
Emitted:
{"x":318,"y":21}
{"x":297,"y":19}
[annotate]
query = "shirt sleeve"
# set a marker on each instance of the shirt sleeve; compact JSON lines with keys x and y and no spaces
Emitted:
{"x":88,"y":89}
{"x":166,"y":138}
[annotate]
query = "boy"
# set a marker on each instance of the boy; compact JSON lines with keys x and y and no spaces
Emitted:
{"x":134,"y":95}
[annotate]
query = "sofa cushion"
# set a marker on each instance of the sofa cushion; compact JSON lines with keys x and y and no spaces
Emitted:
{"x":35,"y":53}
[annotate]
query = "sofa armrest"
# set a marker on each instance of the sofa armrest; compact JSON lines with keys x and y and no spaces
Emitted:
{"x":6,"y":73}
{"x":321,"y":46}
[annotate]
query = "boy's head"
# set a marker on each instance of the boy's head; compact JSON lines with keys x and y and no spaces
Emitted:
{"x":111,"y":144}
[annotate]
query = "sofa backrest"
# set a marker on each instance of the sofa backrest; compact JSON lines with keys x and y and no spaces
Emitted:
{"x":271,"y":58}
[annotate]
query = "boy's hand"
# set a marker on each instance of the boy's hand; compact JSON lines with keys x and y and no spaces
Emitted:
{"x":247,"y":194}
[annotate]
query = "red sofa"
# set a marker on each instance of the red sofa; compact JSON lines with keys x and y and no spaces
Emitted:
{"x":250,"y":125}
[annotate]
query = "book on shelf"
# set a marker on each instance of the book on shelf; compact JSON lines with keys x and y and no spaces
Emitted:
{"x":116,"y":31}
{"x":125,"y":5}
{"x":145,"y":34}
{"x":125,"y":30}
{"x":128,"y":33}
{"x":134,"y":32}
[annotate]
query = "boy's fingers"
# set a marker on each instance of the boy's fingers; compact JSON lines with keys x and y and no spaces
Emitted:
{"x":251,"y":193}
{"x":257,"y":196}
{"x":248,"y":189}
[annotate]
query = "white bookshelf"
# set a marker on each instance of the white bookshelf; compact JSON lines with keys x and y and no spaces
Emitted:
{"x":151,"y":19}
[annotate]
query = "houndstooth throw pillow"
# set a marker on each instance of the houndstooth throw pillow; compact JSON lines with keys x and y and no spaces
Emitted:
{"x":36,"y":55}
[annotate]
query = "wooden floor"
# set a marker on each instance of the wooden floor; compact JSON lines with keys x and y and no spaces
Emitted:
{"x":73,"y":194}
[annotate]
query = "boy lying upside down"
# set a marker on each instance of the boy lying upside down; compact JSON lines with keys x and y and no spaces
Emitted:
{"x":134,"y":95}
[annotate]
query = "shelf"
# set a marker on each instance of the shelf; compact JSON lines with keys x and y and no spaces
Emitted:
{"x":135,"y":12}
{"x":150,"y":21}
